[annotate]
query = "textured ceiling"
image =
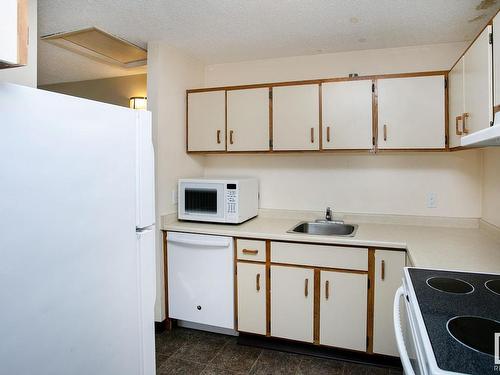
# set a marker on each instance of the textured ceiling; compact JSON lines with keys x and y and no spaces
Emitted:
{"x":217,"y":31}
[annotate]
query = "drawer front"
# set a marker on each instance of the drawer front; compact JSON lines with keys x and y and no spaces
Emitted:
{"x":251,"y":250}
{"x":320,"y":255}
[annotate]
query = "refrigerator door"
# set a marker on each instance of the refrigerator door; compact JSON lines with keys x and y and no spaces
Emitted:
{"x":146,"y":267}
{"x":145,"y":183}
{"x":68,"y":257}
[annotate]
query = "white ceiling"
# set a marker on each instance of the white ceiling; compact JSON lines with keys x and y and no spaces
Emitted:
{"x":217,"y":31}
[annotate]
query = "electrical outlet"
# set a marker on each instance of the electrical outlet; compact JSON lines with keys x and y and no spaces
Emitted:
{"x":174,"y":196}
{"x":431,"y":200}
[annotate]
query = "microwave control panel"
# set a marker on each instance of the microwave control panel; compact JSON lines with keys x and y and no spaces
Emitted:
{"x":231,"y":199}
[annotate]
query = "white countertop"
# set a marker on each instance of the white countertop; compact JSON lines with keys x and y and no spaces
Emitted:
{"x":445,"y":247}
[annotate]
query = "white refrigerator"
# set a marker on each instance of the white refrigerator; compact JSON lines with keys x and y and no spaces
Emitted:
{"x":77,"y":236}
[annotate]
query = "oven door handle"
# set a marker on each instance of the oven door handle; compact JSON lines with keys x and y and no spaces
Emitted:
{"x":405,"y":359}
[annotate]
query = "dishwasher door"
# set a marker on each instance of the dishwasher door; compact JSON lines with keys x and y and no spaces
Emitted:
{"x":201,"y":279}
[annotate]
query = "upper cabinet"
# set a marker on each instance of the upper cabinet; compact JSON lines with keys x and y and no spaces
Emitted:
{"x":478,"y":81}
{"x":347,"y":115}
{"x":496,"y":59}
{"x":411,"y":113}
{"x":248,"y":119}
{"x":13,"y":33}
{"x":295,"y":122}
{"x":206,"y":116}
{"x":456,"y":103}
{"x":470,"y":91}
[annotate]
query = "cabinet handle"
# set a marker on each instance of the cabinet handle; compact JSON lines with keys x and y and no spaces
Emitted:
{"x":328,"y":134}
{"x":457,"y":119}
{"x":385,"y":132}
{"x":382,"y":271}
{"x":327,"y":289}
{"x":306,"y":287}
{"x":231,"y":137}
{"x":312,"y":135}
{"x":257,"y":282}
{"x":218,"y":136}
{"x":464,"y":123}
{"x":250,"y":252}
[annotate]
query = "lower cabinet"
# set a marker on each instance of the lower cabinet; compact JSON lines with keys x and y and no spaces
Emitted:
{"x":292,"y":303}
{"x":251,"y":286}
{"x":343,"y":310}
{"x":388,"y":278}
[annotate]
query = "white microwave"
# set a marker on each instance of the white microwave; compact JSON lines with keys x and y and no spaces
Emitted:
{"x":218,"y":200}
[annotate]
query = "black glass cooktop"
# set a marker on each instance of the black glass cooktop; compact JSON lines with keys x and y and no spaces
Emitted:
{"x":461,"y":312}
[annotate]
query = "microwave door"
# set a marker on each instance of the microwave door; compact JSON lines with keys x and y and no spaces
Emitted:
{"x":203,"y":202}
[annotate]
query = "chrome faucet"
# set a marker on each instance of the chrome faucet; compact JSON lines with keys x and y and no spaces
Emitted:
{"x":328,"y":214}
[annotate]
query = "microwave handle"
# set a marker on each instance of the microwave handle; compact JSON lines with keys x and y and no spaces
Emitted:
{"x":405,"y":359}
{"x":201,"y":243}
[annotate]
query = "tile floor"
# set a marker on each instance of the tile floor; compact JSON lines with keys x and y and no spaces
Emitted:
{"x":185,"y":351}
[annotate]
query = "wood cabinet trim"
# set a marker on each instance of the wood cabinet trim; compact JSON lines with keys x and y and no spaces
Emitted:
{"x":268,"y":288}
{"x":371,"y":300}
{"x":316,"y":306}
{"x":168,"y":321}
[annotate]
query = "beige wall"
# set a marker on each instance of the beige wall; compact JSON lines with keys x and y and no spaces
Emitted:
{"x":491,"y":186}
{"x":26,"y":75}
{"x":115,"y":90}
{"x":384,"y":183}
{"x":170,"y":73}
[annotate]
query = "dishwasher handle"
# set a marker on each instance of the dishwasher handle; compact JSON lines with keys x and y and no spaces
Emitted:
{"x":398,"y":331}
{"x":218,"y":243}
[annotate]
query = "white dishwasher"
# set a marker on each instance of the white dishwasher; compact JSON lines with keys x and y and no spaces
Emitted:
{"x":201,"y":279}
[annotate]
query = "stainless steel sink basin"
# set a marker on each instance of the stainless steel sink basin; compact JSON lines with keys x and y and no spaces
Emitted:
{"x":325,"y":228}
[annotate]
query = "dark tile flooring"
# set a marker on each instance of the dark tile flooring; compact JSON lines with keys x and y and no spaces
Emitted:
{"x":185,"y":351}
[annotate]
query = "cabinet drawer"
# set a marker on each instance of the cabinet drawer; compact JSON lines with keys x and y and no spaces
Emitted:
{"x":320,"y":255}
{"x":251,"y":250}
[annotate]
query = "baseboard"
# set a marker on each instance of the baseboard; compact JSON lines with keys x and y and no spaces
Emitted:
{"x":318,"y":351}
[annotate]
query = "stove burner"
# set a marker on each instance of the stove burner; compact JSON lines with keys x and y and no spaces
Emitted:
{"x":493,"y":285}
{"x":474,"y":332}
{"x":450,"y":285}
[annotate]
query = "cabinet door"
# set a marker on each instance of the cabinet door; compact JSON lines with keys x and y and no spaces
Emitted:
{"x":207,"y":121}
{"x":292,"y":296}
{"x":388,"y":278}
{"x":251,"y":285}
{"x":296,"y":117}
{"x":411,"y":112}
{"x":248,"y":120}
{"x":456,"y":103}
{"x":343,"y":310}
{"x":478,"y":83}
{"x":347,"y":115}
{"x":496,"y":59}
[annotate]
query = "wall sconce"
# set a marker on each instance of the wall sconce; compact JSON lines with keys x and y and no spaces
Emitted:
{"x":139,"y":102}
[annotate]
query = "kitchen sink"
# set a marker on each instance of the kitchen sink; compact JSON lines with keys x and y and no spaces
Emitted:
{"x":325,"y":228}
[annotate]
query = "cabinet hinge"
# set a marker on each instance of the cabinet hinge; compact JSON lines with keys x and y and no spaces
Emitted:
{"x":491,"y":123}
{"x":270,"y":93}
{"x":446,"y":140}
{"x":270,"y":143}
{"x":373,"y":141}
{"x":367,"y":341}
{"x":446,"y":83}
{"x":491,"y":38}
{"x":373,"y":87}
{"x":368,"y":283}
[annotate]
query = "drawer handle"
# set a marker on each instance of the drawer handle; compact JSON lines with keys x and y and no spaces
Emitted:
{"x":328,"y":134}
{"x":257,"y":282}
{"x":218,"y":136}
{"x":231,"y":137}
{"x":327,"y":289}
{"x":250,"y":252}
{"x":385,"y":132}
{"x":312,"y":135}
{"x":306,"y":287}
{"x":465,"y":116}
{"x":382,"y":271}
{"x":457,"y":130}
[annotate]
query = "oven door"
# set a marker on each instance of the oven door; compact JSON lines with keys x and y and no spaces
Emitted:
{"x":406,"y":335}
{"x":201,"y":201}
